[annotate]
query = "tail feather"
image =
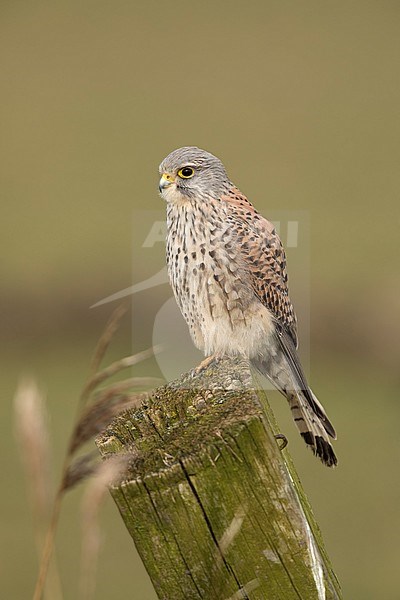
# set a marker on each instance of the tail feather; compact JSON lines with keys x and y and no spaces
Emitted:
{"x":312,"y":428}
{"x":329,"y":428}
{"x":308,"y":413}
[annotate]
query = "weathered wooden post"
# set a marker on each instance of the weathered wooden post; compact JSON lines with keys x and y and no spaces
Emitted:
{"x":212,"y":503}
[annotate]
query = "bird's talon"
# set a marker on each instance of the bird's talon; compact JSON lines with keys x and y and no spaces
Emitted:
{"x":284,"y":439}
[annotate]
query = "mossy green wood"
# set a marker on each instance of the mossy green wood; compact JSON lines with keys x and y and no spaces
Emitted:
{"x":213,"y":505}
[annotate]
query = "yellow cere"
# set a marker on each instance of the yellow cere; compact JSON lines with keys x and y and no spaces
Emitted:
{"x":168,"y":177}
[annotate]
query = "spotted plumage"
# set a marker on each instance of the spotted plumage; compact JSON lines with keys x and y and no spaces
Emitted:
{"x":227,"y":268}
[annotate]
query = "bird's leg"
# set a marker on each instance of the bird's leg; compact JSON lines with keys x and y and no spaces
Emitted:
{"x":205,"y":364}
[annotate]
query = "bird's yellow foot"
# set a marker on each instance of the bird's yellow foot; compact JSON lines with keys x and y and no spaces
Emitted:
{"x":205,"y":364}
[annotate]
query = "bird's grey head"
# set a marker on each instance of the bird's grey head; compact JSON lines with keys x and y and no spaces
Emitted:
{"x":190,"y":173}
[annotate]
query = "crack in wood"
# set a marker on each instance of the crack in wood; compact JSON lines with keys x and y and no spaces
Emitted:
{"x":212,"y":533}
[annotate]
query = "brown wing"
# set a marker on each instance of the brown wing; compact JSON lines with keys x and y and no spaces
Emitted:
{"x":265,"y":257}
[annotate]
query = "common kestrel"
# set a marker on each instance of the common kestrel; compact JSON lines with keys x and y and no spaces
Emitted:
{"x":227,"y":267}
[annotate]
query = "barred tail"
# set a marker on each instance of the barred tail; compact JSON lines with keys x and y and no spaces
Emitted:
{"x":315,"y":427}
{"x":281,"y":365}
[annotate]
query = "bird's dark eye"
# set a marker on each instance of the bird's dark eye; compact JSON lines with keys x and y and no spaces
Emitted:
{"x":186,"y":172}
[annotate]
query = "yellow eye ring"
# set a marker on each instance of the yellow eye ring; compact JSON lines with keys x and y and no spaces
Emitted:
{"x":186,"y":172}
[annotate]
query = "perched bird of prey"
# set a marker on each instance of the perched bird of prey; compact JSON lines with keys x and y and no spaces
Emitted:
{"x":227,"y":268}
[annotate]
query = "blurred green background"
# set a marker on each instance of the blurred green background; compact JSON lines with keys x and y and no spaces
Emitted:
{"x":301,"y":101}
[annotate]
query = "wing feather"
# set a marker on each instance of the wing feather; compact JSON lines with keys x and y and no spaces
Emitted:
{"x":265,"y":258}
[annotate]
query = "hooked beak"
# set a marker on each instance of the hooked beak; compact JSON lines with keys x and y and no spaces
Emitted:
{"x":165,"y":181}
